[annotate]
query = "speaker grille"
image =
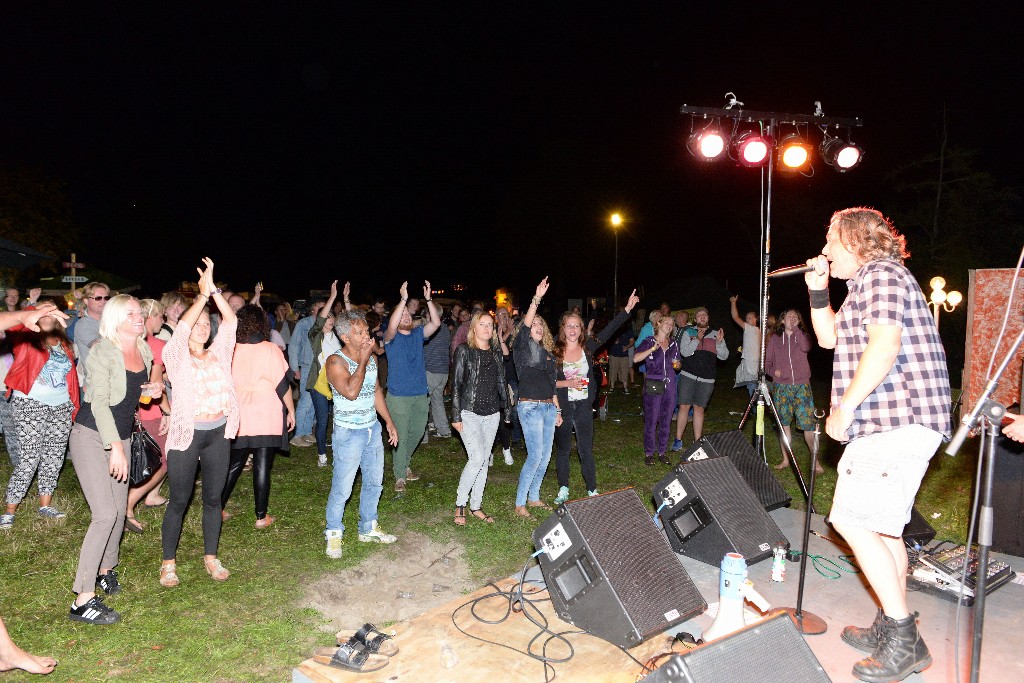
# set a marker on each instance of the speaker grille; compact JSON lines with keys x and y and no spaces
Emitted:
{"x":772,"y":650}
{"x":637,"y":559}
{"x":740,"y":524}
{"x":734,"y":445}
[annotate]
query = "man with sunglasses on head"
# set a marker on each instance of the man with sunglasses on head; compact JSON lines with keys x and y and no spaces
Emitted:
{"x":87,"y":329}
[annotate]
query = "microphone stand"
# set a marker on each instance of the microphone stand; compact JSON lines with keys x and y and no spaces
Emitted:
{"x":989,"y":413}
{"x":807,"y":623}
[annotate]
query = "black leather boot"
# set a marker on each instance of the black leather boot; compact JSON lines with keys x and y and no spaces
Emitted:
{"x":864,"y":639}
{"x":900,"y":652}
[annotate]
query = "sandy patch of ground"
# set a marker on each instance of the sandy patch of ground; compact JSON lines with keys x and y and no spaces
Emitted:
{"x":397,"y":583}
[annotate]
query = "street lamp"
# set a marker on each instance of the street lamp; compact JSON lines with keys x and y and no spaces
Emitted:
{"x":616,"y":220}
{"x":940,"y":299}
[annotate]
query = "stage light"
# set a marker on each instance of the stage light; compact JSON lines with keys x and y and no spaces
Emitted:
{"x":841,"y":155}
{"x":750,"y":149}
{"x":793,"y":152}
{"x":707,"y":144}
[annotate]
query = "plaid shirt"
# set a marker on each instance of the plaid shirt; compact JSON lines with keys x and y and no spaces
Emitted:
{"x":916,"y":390}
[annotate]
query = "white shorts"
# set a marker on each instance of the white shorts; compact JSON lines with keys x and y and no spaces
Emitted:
{"x":879,"y":476}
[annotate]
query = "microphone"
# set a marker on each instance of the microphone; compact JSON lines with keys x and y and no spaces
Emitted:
{"x":791,"y":270}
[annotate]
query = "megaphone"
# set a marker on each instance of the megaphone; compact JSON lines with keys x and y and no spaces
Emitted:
{"x":734,"y":587}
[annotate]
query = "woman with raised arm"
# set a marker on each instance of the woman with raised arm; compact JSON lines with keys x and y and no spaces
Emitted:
{"x":577,"y":388}
{"x":118,"y":368}
{"x":204,"y":418}
{"x":43,"y":390}
{"x":746,"y":371}
{"x":324,"y":342}
{"x":660,"y":353}
{"x":479,"y":402}
{"x":539,"y":414}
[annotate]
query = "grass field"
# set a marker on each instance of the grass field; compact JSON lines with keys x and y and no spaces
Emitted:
{"x":251,"y":628}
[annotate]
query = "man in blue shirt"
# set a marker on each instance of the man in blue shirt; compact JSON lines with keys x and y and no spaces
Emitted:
{"x":407,"y":380}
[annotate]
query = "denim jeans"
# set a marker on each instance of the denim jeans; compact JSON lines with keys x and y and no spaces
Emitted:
{"x":354,"y":450}
{"x":304,"y":409}
{"x":477,"y":437}
{"x":322,"y":410}
{"x":538,"y":420}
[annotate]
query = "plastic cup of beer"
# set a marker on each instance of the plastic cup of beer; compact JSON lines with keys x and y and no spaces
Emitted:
{"x":677,"y":365}
{"x":147,"y":395}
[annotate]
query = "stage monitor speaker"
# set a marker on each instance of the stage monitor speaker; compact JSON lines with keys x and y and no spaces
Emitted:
{"x":610,"y":571}
{"x":756,"y":473}
{"x":710,"y":511}
{"x":770,"y":650}
{"x":917,"y":532}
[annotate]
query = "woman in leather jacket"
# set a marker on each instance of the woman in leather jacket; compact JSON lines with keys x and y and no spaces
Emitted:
{"x":479,"y":401}
{"x":577,"y":386}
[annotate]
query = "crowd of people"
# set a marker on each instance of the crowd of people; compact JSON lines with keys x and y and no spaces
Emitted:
{"x":212,"y":380}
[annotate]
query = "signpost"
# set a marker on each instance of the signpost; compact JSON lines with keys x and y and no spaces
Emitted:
{"x":74,"y":278}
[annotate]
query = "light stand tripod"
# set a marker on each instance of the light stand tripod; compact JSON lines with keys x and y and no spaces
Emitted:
{"x":761,"y":396}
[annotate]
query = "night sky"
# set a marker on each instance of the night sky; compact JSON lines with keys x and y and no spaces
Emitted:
{"x":374,"y":142}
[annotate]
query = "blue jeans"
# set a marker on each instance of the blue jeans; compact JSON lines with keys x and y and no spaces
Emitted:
{"x":322,"y":409}
{"x":354,"y":450}
{"x":538,"y":420}
{"x":304,"y":410}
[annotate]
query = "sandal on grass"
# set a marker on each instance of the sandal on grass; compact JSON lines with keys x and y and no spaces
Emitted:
{"x":216,"y":570}
{"x":133,"y":525}
{"x":522,"y":511}
{"x":460,"y":515}
{"x":352,"y":656}
{"x":168,"y":575}
{"x":480,"y":514}
{"x":538,"y":504}
{"x":372,"y":638}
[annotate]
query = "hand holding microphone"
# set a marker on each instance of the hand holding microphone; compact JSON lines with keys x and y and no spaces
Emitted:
{"x":817,"y":275}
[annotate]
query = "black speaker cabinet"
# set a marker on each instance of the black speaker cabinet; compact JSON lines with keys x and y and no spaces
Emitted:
{"x":610,"y":571}
{"x":711,"y":511}
{"x":756,"y":473}
{"x":770,"y":650}
{"x":1008,"y":497}
{"x":917,"y":532}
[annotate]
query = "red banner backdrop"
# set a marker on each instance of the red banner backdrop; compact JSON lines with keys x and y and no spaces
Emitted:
{"x":986,"y":307}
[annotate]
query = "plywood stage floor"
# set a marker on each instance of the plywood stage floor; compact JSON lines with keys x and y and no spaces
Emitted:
{"x":496,"y":652}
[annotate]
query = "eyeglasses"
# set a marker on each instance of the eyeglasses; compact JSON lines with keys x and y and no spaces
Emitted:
{"x":104,"y":297}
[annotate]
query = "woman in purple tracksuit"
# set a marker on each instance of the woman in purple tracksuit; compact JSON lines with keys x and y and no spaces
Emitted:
{"x":661,"y":356}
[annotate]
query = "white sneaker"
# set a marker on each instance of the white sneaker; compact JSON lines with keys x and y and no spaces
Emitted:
{"x":592,"y":493}
{"x":508,"y":456}
{"x":321,"y":460}
{"x":375,"y":535}
{"x":563,"y":495}
{"x":334,"y":544}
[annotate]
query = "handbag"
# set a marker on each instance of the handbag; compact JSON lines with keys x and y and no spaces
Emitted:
{"x":654,"y":387}
{"x":322,"y":385}
{"x":145,"y":458}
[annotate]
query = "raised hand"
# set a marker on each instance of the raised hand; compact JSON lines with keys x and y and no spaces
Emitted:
{"x":542,"y":288}
{"x":334,"y":289}
{"x":32,"y":318}
{"x":632,"y":301}
{"x":404,"y":291}
{"x":346,"y":291}
{"x":734,"y":298}
{"x":426,"y":289}
{"x":34,"y":293}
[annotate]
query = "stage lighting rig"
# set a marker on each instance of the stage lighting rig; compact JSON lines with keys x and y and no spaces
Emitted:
{"x":793,"y":152}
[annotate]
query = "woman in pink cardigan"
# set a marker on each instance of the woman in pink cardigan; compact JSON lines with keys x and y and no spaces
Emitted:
{"x":204,"y":418}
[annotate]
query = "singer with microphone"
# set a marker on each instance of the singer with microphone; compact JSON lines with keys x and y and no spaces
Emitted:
{"x":890,"y":405}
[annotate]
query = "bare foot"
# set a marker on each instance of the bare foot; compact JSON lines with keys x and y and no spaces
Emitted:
{"x":16,"y":658}
{"x":522,"y":511}
{"x":819,"y":470}
{"x":782,"y":465}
